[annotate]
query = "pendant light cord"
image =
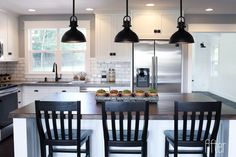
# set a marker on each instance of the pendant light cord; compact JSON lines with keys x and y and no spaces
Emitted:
{"x":127,"y":8}
{"x":73,"y":8}
{"x":181,"y":8}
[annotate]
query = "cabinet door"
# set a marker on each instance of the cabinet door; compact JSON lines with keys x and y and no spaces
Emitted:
{"x":103,"y":36}
{"x":168,"y":24}
{"x":144,"y":24}
{"x":12,"y":36}
{"x":107,"y":27}
{"x":3,"y":34}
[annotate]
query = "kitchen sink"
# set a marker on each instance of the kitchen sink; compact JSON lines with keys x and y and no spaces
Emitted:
{"x":53,"y":82}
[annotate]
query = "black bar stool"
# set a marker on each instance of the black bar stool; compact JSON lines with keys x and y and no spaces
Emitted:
{"x":200,"y":134}
{"x":55,"y":127}
{"x":125,"y":135}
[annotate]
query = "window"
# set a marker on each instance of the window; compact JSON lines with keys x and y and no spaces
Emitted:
{"x":44,"y":47}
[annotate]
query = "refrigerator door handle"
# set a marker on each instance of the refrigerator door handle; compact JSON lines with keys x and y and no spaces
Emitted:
{"x":153,"y":72}
{"x":156,"y":72}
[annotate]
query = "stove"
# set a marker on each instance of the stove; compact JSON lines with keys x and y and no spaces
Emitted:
{"x":8,"y":103}
{"x":6,"y":86}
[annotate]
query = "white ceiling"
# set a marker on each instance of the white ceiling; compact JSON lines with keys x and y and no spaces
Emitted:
{"x":65,"y":6}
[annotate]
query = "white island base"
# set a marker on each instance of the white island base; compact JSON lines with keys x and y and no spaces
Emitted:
{"x":26,"y":140}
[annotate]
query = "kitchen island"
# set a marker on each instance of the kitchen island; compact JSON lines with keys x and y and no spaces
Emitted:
{"x":26,"y":141}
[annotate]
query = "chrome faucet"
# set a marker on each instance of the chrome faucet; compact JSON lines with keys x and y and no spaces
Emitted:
{"x":56,"y":74}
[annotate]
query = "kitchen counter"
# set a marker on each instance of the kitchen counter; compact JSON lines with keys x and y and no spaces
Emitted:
{"x":26,"y":141}
{"x":163,"y":110}
{"x":73,"y":83}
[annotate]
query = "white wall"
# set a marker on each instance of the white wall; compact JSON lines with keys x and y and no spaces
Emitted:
{"x":201,"y":62}
{"x":224,"y":83}
{"x":219,"y":79}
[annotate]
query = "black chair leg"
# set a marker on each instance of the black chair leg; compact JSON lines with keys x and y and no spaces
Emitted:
{"x":106,"y":149}
{"x":175,"y":151}
{"x":144,"y":149}
{"x":88,"y":147}
{"x":50,"y":151}
{"x":166,"y":148}
{"x":212,"y":150}
{"x":43,"y":150}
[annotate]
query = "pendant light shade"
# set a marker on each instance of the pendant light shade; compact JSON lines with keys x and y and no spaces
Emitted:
{"x":126,"y":35}
{"x":73,"y":35}
{"x":181,"y":36}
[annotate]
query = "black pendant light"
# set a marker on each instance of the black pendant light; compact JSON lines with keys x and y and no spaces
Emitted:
{"x":73,"y":35}
{"x":181,"y":36}
{"x":126,"y":35}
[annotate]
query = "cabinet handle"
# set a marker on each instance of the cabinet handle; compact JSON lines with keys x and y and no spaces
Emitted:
{"x":9,"y":53}
{"x":63,"y":91}
{"x":36,"y":90}
{"x":18,"y":91}
{"x":19,"y":102}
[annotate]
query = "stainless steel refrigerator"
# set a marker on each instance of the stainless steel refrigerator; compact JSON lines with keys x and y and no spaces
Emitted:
{"x":156,"y":64}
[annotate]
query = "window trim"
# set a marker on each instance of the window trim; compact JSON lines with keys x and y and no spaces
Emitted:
{"x":52,"y":24}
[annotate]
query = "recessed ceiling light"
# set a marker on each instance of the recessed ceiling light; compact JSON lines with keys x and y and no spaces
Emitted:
{"x":150,"y":5}
{"x":89,"y":9}
{"x":209,"y":9}
{"x":31,"y":10}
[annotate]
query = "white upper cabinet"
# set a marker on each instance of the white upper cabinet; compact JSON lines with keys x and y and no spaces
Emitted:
{"x":9,"y":37}
{"x":106,"y":28}
{"x":145,"y":22}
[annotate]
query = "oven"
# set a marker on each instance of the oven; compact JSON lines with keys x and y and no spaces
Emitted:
{"x":8,"y":103}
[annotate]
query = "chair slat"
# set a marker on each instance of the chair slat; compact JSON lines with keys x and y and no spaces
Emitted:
{"x":193,"y":118}
{"x":62,"y":125}
{"x":48,"y":130}
{"x":201,"y":118}
{"x":129,"y":126}
{"x":208,"y":125}
{"x":54,"y":122}
{"x":184,"y":126}
{"x":121,"y":126}
{"x":136,"y":126}
{"x":113,"y":125}
{"x":70,"y":117}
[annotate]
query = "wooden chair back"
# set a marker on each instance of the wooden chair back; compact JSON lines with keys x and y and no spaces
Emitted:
{"x":201,"y":118}
{"x":54,"y":121}
{"x":130,"y":111}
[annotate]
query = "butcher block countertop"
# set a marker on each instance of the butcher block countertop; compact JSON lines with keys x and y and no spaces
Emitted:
{"x":90,"y":109}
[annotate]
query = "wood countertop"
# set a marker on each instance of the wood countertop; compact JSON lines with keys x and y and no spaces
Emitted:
{"x":163,"y":110}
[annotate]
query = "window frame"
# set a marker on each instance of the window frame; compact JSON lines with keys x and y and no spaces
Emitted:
{"x":28,"y":25}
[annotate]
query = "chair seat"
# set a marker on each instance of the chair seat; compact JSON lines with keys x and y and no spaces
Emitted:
{"x":170,"y":136}
{"x":84,"y":134}
{"x":125,"y":135}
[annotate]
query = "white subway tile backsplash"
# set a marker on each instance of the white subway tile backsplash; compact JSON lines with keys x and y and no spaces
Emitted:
{"x":122,"y":70}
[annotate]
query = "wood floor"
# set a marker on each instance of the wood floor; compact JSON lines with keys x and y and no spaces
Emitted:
{"x":7,"y":148}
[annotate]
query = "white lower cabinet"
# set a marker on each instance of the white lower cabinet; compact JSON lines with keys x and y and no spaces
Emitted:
{"x":32,"y":93}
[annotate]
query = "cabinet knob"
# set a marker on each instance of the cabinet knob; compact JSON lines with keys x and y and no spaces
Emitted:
{"x":9,"y":53}
{"x":63,"y":91}
{"x":36,"y":90}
